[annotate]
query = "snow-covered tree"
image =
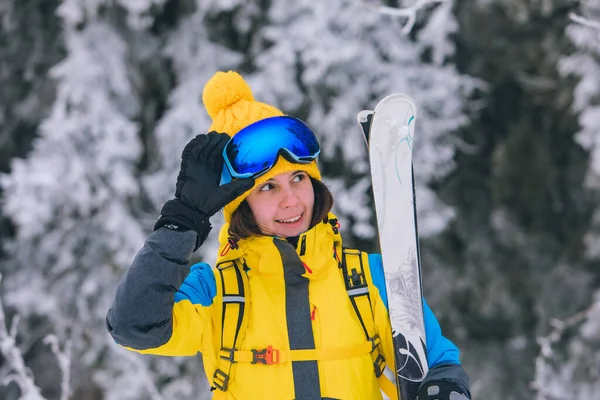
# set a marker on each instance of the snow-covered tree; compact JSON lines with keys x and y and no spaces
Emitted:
{"x":584,"y":63}
{"x":75,"y":200}
{"x":326,"y":61}
{"x":194,"y":58}
{"x":128,"y":98}
{"x":568,"y":365}
{"x":322,"y":63}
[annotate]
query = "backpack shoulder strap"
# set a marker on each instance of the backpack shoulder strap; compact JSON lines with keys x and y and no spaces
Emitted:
{"x":235,"y":299}
{"x":355,"y":274}
{"x":355,"y":279}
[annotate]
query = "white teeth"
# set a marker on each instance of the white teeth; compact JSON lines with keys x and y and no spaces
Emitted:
{"x":291,"y":219}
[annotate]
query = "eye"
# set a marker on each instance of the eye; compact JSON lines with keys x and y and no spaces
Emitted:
{"x":266,"y":187}
{"x":299,"y":177}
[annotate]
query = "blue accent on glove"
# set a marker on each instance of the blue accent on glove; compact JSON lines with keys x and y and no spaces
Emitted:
{"x":440,"y":350}
{"x":199,"y":287}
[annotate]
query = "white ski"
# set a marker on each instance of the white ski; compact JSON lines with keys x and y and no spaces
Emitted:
{"x":389,"y":133}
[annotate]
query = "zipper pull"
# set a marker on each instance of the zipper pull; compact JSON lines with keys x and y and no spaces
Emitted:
{"x":303,"y":245}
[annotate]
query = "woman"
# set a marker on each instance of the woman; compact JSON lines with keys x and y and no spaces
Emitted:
{"x":277,"y":317}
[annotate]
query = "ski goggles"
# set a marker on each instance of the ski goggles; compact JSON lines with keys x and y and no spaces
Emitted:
{"x":255,"y":149}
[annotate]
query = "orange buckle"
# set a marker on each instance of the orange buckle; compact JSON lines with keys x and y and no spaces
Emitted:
{"x":266,"y":356}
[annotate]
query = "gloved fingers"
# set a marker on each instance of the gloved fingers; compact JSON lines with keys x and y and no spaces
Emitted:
{"x":205,"y":152}
{"x":179,"y":187}
{"x":186,"y":157}
{"x":186,"y":154}
{"x":441,"y":390}
{"x":215,"y":157}
{"x":234,"y":189}
{"x":193,"y":146}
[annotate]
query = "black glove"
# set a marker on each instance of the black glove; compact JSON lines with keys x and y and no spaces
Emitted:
{"x":441,"y":390}
{"x":198,"y":195}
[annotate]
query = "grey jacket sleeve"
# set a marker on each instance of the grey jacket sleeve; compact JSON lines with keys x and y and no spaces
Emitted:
{"x":141,"y":313}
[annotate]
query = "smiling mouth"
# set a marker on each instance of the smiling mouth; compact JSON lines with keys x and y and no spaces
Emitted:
{"x":290,"y":220}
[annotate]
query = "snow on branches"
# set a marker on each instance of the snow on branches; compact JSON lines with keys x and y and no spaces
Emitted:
{"x":566,"y":366}
{"x":409,"y":13}
{"x":18,"y":371}
{"x":559,"y":377}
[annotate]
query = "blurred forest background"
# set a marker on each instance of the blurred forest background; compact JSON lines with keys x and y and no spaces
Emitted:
{"x":99,"y":97}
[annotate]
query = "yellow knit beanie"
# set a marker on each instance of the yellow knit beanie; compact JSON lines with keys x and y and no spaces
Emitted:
{"x":230,"y":104}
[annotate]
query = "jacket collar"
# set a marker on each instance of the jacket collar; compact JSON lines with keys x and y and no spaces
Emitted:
{"x":315,"y":248}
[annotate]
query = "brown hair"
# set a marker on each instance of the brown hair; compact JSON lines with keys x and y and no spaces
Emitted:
{"x":243,"y":224}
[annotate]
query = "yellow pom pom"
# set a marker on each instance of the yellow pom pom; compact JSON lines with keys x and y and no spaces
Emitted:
{"x":223,"y":90}
{"x":230,"y":104}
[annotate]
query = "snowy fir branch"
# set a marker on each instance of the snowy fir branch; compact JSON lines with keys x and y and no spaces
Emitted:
{"x":543,"y":368}
{"x":410,"y":13}
{"x":585,"y":21}
{"x":21,"y":375}
{"x":64,"y":363}
{"x":143,"y":374}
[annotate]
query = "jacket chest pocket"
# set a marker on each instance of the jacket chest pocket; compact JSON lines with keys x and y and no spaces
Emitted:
{"x":316,"y":324}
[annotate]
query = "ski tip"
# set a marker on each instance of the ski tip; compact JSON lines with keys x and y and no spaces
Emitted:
{"x":363,"y":116}
{"x":364,"y":119}
{"x":398,"y":100}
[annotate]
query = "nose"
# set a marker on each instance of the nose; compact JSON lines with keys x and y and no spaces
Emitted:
{"x":288,"y":197}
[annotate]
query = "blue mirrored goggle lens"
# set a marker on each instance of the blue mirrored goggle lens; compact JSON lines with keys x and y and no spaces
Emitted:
{"x":255,"y":149}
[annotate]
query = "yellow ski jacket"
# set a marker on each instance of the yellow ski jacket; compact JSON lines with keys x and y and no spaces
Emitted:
{"x":295,"y":298}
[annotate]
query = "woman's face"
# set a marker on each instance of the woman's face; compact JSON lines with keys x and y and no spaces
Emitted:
{"x":283,"y":205}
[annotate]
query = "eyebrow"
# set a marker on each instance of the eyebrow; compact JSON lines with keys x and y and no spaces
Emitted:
{"x":293,"y":173}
